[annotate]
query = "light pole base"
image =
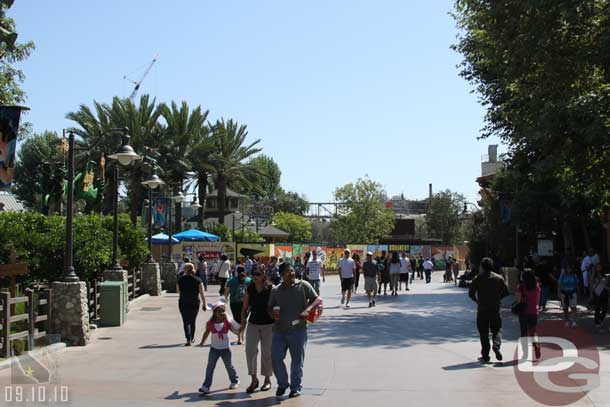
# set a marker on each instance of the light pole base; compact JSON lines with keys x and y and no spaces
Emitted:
{"x":151,"y":279}
{"x":70,"y":312}
{"x":169,"y":273}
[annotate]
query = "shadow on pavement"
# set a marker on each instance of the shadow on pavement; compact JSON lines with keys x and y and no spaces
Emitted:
{"x":428,"y":319}
{"x":266,"y":402}
{"x":223,"y":397}
{"x":156,"y":346}
{"x":464,"y":366}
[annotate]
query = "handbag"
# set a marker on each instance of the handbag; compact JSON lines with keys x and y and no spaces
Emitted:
{"x":316,"y":312}
{"x":519,"y":308}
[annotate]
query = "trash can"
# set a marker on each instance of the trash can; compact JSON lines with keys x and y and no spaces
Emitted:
{"x":112,"y":303}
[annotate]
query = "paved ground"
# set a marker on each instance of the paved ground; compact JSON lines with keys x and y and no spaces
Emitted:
{"x":416,"y":349}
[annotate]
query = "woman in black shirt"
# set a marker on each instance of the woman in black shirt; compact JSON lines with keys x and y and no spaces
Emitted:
{"x":260,"y":324}
{"x":190,"y":289}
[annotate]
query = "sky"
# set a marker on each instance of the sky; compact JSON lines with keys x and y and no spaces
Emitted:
{"x":335,"y":90}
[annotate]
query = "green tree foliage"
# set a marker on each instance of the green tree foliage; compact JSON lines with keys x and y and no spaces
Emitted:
{"x":290,"y":202}
{"x":363,"y":217}
{"x":11,"y":77}
{"x":40,"y":172}
{"x":541,"y":70}
{"x":264,"y":182}
{"x":39,"y":241}
{"x":444,"y":216}
{"x":298,"y":226}
{"x":247,"y":235}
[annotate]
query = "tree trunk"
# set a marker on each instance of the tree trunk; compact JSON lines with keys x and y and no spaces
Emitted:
{"x":585,"y":232}
{"x":221,"y":188}
{"x":203,"y":187}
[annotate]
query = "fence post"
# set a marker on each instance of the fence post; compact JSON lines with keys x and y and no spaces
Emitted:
{"x":31,"y":310}
{"x":6,"y":324}
{"x":48,"y":294}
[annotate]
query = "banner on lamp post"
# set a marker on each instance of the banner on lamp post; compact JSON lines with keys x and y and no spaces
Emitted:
{"x":9,"y":128}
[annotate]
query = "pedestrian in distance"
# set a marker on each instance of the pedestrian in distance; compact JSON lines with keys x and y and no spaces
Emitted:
{"x":394,"y":266}
{"x":273,"y":271}
{"x":599,"y":289}
{"x":413,"y":262}
{"x":218,"y":328}
{"x":384,"y":273}
{"x":568,"y":287}
{"x":259,"y":329}
{"x":202,"y":271}
{"x":224,"y":272}
{"x":455,"y":267}
{"x":347,"y":269}
{"x":234,"y":294}
{"x":356,"y":258}
{"x":298,"y":267}
{"x":190,"y":288}
{"x":428,"y":266}
{"x":370,"y":271}
{"x":487,"y":289}
{"x":420,"y":267}
{"x":405,"y":267}
{"x":290,"y":304}
{"x":528,"y":294}
{"x":315,"y":270}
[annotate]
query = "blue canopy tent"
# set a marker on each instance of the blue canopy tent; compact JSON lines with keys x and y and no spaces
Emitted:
{"x":162,"y":238}
{"x":194,"y":235}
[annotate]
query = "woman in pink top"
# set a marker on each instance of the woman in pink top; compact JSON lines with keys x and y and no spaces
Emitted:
{"x":528,"y":292}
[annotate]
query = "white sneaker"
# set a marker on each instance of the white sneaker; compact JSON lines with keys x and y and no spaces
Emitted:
{"x":234,"y":385}
{"x":204,"y":390}
{"x":347,"y":305}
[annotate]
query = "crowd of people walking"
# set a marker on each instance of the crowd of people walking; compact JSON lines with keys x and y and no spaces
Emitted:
{"x":271,"y":303}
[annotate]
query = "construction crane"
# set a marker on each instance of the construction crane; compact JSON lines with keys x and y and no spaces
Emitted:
{"x":138,"y":83}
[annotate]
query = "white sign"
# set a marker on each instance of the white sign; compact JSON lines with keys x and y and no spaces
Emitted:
{"x":545,"y":248}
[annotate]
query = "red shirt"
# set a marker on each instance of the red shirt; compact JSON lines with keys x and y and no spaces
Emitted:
{"x":532,"y":298}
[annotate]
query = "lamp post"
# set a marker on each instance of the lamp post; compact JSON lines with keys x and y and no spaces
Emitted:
{"x":125,"y":156}
{"x":69,"y":275}
{"x":153,"y":182}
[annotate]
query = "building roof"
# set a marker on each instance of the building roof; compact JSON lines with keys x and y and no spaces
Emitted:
{"x":230,"y":194}
{"x":8,"y":202}
{"x":270,"y":231}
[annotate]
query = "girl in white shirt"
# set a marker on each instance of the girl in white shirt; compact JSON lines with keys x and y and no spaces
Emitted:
{"x":218,"y":327}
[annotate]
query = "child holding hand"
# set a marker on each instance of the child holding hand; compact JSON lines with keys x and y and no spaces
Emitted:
{"x":218,"y":327}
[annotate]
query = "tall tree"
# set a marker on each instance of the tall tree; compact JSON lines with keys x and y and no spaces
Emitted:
{"x":363,"y":218}
{"x":444,"y":216}
{"x":201,"y":160}
{"x":541,"y":70}
{"x":229,"y":158}
{"x":142,"y":120}
{"x":184,"y":128}
{"x":39,"y":173}
{"x":11,"y":53}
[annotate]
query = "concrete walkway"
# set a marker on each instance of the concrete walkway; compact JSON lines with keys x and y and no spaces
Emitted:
{"x":415,"y":349}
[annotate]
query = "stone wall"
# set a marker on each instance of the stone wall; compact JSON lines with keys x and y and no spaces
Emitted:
{"x":151,"y":279}
{"x":70,"y":312}
{"x":169,"y":273}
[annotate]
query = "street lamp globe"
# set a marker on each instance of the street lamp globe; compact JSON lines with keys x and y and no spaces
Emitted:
{"x":153,"y":182}
{"x":179,"y":197}
{"x":195,"y":204}
{"x":125,"y":155}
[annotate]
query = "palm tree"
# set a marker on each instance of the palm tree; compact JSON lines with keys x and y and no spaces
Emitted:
{"x":229,"y":158}
{"x":200,"y":157}
{"x":144,"y":129}
{"x":182,"y":133}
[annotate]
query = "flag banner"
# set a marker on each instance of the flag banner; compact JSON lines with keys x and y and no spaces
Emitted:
{"x":160,"y":211}
{"x":9,"y":127}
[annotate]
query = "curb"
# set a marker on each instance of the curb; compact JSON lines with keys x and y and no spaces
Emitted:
{"x":138,"y":300}
{"x":56,"y":347}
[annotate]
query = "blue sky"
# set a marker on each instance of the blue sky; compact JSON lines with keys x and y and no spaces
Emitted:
{"x":335,"y":90}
